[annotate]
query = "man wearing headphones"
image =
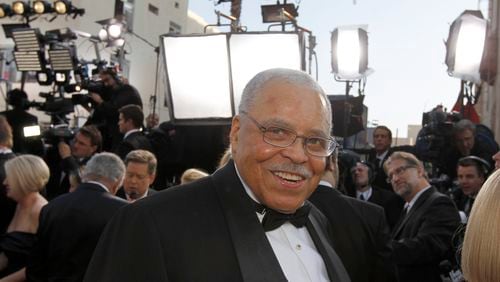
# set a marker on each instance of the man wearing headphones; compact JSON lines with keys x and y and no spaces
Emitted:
{"x":362,"y":175}
{"x":115,"y":95}
{"x":472,"y":171}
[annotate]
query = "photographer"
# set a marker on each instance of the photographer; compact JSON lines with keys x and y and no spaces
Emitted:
{"x":469,"y":139}
{"x":112,"y":97}
{"x":84,"y":145}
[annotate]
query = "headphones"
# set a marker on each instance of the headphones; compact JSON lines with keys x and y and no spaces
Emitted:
{"x":481,"y":163}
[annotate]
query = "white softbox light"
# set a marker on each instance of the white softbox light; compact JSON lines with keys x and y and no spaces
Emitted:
{"x":206,"y":74}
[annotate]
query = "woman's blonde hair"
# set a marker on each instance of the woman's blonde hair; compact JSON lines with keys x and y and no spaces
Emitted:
{"x":28,"y":173}
{"x":192,"y":174}
{"x":481,"y":247}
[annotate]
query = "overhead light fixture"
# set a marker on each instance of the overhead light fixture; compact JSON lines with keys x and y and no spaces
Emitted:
{"x":465,"y":45}
{"x":62,"y":7}
{"x":349,"y":53}
{"x":5,"y":10}
{"x":278,"y":13}
{"x":41,"y":7}
{"x":20,"y":8}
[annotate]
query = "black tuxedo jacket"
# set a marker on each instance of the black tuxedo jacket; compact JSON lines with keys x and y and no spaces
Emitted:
{"x":134,"y":141}
{"x":380,"y":176}
{"x":207,"y":230}
{"x":68,"y":231}
{"x":121,"y":193}
{"x":59,"y":184}
{"x":392,"y":204}
{"x":360,"y":235}
{"x":423,"y":238}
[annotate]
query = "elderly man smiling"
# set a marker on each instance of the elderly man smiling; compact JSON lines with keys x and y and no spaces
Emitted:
{"x":250,"y":220}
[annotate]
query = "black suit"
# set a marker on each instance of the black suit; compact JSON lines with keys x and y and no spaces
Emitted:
{"x":380,"y":177}
{"x":59,"y":173}
{"x":423,"y":238}
{"x":7,"y":205}
{"x":106,"y":115}
{"x":68,"y":232}
{"x":207,"y":230}
{"x":392,"y":204}
{"x":134,"y":141}
{"x":360,"y":235}
{"x":121,"y":193}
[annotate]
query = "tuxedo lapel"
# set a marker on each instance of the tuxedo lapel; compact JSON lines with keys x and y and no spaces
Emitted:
{"x":255,"y":255}
{"x":334,"y":266}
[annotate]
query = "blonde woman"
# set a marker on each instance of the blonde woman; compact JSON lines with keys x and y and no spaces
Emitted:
{"x":26,"y":176}
{"x":481,"y":247}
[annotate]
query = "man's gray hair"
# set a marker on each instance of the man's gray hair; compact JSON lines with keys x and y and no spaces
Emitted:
{"x":104,"y":166}
{"x":464,"y":124}
{"x":294,"y":77}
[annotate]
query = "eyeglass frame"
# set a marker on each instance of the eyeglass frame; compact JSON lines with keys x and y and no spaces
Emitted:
{"x":399,"y":171}
{"x":263,"y":129}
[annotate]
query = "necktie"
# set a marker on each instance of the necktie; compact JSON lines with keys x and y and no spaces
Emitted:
{"x":361,"y":197}
{"x":274,"y":219}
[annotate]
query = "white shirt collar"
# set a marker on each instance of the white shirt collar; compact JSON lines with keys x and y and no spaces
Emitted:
{"x":5,"y":150}
{"x":130,"y":132}
{"x":382,"y":156}
{"x":325,"y":183}
{"x":366,"y":194}
{"x":415,"y":198}
{"x":247,"y":189}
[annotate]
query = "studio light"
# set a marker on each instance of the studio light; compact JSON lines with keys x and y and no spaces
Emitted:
{"x":5,"y":10}
{"x":31,"y":131}
{"x":204,"y":85}
{"x":41,"y":7}
{"x":20,"y":8}
{"x":115,"y":30}
{"x":276,"y":13}
{"x":465,"y":46}
{"x":349,"y":53}
{"x":45,"y":77}
{"x":62,"y":7}
{"x":61,"y":59}
{"x":27,"y":54}
{"x":61,"y":77}
{"x":103,"y":34}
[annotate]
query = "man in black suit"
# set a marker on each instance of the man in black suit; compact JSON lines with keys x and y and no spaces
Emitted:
{"x":372,"y":244}
{"x":115,"y":94}
{"x":130,"y":125}
{"x":423,"y":236}
{"x":140,"y":172}
{"x":362,"y":175}
{"x":382,"y":139}
{"x":70,"y":225}
{"x":250,"y":220}
{"x":472,"y":171}
{"x":71,"y":158}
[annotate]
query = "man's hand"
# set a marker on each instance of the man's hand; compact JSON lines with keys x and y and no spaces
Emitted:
{"x":96,"y":97}
{"x":64,"y":150}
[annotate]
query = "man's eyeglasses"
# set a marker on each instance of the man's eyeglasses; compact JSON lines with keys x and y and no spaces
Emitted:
{"x":398,"y":172}
{"x":282,"y":137}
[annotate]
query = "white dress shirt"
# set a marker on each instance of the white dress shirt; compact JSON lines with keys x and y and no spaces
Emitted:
{"x":294,"y":248}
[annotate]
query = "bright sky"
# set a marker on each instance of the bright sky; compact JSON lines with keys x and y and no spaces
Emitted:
{"x":406,"y":49}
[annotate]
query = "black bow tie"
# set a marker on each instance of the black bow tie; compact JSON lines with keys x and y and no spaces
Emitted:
{"x":274,"y":219}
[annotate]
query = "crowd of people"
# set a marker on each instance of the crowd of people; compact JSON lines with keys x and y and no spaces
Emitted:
{"x":274,"y":210}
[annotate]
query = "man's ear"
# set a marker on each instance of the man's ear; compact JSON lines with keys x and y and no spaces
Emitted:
{"x":234,"y":133}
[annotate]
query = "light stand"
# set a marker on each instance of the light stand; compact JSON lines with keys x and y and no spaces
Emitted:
{"x":350,"y":64}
